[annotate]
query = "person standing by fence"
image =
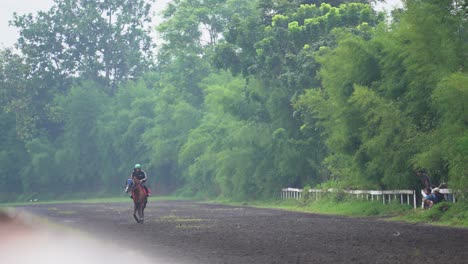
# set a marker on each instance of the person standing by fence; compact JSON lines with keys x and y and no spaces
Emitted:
{"x":427,"y":186}
{"x":425,"y":180}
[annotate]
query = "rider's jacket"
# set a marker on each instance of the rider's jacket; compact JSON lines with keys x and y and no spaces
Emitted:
{"x":139,"y":174}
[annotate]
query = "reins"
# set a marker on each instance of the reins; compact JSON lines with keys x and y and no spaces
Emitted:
{"x":135,"y":186}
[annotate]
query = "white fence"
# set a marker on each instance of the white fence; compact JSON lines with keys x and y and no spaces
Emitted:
{"x":449,"y":195}
{"x":403,"y":196}
{"x":387,"y":196}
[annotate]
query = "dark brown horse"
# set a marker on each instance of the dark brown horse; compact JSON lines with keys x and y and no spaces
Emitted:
{"x":140,"y":198}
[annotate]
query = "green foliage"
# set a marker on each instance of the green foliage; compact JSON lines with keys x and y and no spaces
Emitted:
{"x":78,"y":150}
{"x":346,"y":207}
{"x":105,"y":41}
{"x":227,"y":153}
{"x":442,"y":214}
{"x":22,"y":93}
{"x":173,"y":119}
{"x":247,"y":97}
{"x":450,"y":154}
{"x":120,"y":132}
{"x":13,"y":158}
{"x":36,"y":175}
{"x":381,"y":106}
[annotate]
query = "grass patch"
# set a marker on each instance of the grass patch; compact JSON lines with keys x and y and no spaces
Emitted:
{"x":180,"y":226}
{"x":446,"y":214}
{"x":443,"y":214}
{"x":174,"y":218}
{"x":91,"y":201}
{"x":182,"y":223}
{"x":350,"y":207}
{"x":66,"y":212}
{"x":346,"y":208}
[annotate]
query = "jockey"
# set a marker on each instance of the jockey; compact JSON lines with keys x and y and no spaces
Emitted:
{"x":142,"y":176}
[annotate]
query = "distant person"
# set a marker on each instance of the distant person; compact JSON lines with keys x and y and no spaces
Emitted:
{"x":141,"y":175}
{"x":425,"y":195}
{"x":433,"y":198}
{"x":425,"y":180}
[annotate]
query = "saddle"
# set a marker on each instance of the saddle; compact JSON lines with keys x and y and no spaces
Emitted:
{"x":145,"y":189}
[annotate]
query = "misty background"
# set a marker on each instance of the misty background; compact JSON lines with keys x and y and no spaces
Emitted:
{"x":240,"y":98}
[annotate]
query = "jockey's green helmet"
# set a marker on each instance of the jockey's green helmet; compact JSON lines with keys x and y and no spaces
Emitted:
{"x":137,"y":166}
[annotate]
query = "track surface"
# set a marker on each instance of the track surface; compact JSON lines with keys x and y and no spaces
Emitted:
{"x":187,"y":232}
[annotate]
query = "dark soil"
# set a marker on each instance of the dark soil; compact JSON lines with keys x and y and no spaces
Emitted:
{"x":188,"y":232}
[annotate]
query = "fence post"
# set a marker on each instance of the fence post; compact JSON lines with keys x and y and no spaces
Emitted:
{"x":297,"y":194}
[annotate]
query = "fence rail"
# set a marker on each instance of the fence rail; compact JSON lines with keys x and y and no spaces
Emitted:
{"x":386,"y":196}
{"x":448,"y":194}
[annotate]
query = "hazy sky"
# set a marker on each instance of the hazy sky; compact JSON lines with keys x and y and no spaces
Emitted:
{"x":7,"y":7}
{"x":9,"y":35}
{"x":387,"y":5}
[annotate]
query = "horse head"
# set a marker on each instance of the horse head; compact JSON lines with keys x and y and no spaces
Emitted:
{"x":132,"y":184}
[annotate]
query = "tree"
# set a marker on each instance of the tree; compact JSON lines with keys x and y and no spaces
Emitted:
{"x":448,"y":157}
{"x":173,"y":119}
{"x":107,"y":41}
{"x":124,"y":120}
{"x":391,"y":98}
{"x":228,"y":154}
{"x":77,"y":148}
{"x":23,"y":94}
{"x":13,"y":158}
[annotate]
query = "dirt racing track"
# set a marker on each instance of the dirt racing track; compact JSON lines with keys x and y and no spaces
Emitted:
{"x":188,"y":232}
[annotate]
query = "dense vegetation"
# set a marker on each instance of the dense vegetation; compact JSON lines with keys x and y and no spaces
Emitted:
{"x":241,"y":98}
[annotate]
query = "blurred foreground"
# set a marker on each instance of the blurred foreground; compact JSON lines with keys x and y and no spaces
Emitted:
{"x":25,"y":239}
{"x":197,"y":233}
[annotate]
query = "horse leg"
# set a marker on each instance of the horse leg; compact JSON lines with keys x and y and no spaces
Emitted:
{"x":140,"y":212}
{"x":134,"y":213}
{"x":143,"y":210}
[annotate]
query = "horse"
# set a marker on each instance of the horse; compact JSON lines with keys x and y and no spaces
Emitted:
{"x":140,"y":198}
